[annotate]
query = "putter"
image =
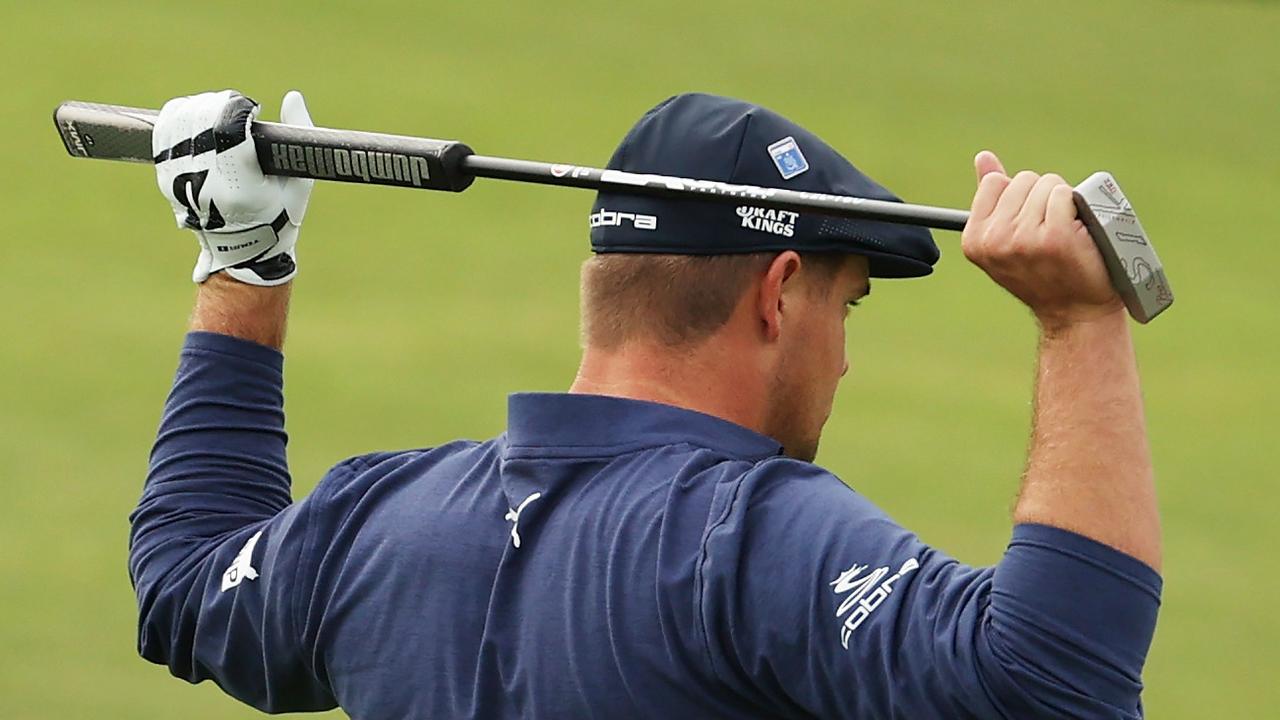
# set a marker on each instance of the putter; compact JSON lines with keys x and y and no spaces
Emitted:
{"x":113,"y":132}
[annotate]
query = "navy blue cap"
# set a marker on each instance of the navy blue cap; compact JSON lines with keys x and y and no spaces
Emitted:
{"x":709,"y":137}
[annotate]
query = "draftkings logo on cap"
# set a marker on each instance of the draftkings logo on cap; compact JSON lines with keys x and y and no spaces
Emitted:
{"x":788,"y":158}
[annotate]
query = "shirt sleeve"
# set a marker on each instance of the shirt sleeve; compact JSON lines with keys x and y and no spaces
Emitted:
{"x":217,"y":548}
{"x":814,"y":603}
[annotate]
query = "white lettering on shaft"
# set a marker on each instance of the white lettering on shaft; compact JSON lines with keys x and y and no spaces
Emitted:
{"x":710,"y":187}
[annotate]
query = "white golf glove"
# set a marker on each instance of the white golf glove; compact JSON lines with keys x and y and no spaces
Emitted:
{"x":207,"y":168}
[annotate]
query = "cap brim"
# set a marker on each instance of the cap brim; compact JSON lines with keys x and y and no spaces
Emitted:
{"x":887,"y":265}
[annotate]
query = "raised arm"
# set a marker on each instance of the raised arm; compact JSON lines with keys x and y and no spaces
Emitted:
{"x":1089,"y":468}
{"x":216,"y":548}
{"x":816,"y":603}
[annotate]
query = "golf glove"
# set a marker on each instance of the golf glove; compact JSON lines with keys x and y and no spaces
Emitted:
{"x":207,"y":168}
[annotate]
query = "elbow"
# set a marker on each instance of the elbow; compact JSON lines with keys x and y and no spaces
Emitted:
{"x":1030,"y":675}
{"x":1068,"y":626}
{"x":163,"y":569}
{"x":155,"y":623}
{"x":152,"y":573}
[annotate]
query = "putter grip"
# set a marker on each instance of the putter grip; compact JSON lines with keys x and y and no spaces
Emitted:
{"x":114,"y":132}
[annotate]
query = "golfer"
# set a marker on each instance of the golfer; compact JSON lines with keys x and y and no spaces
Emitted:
{"x":656,"y":542}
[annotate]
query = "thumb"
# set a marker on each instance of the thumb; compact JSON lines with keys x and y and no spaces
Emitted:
{"x":297,"y":191}
{"x":986,"y":162}
{"x":293,"y":110}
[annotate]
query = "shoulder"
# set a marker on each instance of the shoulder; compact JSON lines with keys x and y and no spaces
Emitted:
{"x":784,"y":492}
{"x":792,"y":519}
{"x":355,"y":478}
{"x":789,"y":511}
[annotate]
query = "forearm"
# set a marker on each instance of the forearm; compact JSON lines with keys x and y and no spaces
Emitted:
{"x":1089,"y":466}
{"x":249,"y":312}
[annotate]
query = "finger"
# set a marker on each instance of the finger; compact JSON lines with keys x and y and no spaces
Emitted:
{"x":295,"y":194}
{"x":208,"y":108}
{"x":236,"y":153}
{"x":189,"y":135}
{"x":182,"y":127}
{"x":173,"y":147}
{"x":987,"y":162}
{"x":1061,"y":206}
{"x":1015,"y":196}
{"x":204,"y":265}
{"x":296,"y":191}
{"x":231,"y":118}
{"x":991,"y":182}
{"x":169,"y":125}
{"x":1038,"y":199}
{"x":988,"y":194}
{"x":199,"y":115}
{"x":293,"y":110}
{"x":163,"y":137}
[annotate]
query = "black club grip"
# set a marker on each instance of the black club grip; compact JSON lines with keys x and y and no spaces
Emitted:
{"x":361,"y":157}
{"x":116,"y":132}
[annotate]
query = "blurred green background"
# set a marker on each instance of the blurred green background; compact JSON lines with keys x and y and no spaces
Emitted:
{"x":416,"y":313}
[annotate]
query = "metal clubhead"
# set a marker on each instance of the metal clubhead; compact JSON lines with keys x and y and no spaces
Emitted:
{"x":1136,"y":272}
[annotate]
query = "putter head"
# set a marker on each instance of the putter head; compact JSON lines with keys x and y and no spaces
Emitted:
{"x":1136,"y":272}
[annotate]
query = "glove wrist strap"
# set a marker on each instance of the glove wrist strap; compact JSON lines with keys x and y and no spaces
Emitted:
{"x":275,"y":270}
{"x":246,"y":254}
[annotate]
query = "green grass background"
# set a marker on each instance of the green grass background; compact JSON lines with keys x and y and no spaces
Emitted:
{"x":416,"y":313}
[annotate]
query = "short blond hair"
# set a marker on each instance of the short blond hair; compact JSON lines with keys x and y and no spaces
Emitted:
{"x":675,"y":300}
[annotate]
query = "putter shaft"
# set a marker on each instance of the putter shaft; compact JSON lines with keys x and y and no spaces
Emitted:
{"x":113,"y":132}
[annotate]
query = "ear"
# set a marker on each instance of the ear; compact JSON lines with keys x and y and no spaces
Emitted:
{"x":769,"y":299}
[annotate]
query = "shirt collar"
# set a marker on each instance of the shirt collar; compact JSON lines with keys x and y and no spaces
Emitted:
{"x":559,"y":420}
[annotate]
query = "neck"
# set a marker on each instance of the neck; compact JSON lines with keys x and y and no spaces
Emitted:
{"x":709,"y":379}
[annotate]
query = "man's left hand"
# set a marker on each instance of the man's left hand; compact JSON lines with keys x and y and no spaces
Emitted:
{"x":207,"y":168}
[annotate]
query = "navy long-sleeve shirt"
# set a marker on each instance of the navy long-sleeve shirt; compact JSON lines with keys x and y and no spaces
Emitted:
{"x":602,"y":556}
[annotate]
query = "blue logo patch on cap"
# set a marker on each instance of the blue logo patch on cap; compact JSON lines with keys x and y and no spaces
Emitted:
{"x":788,"y":158}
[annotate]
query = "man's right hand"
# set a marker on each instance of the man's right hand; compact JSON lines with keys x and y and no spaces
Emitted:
{"x":1023,"y":232}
